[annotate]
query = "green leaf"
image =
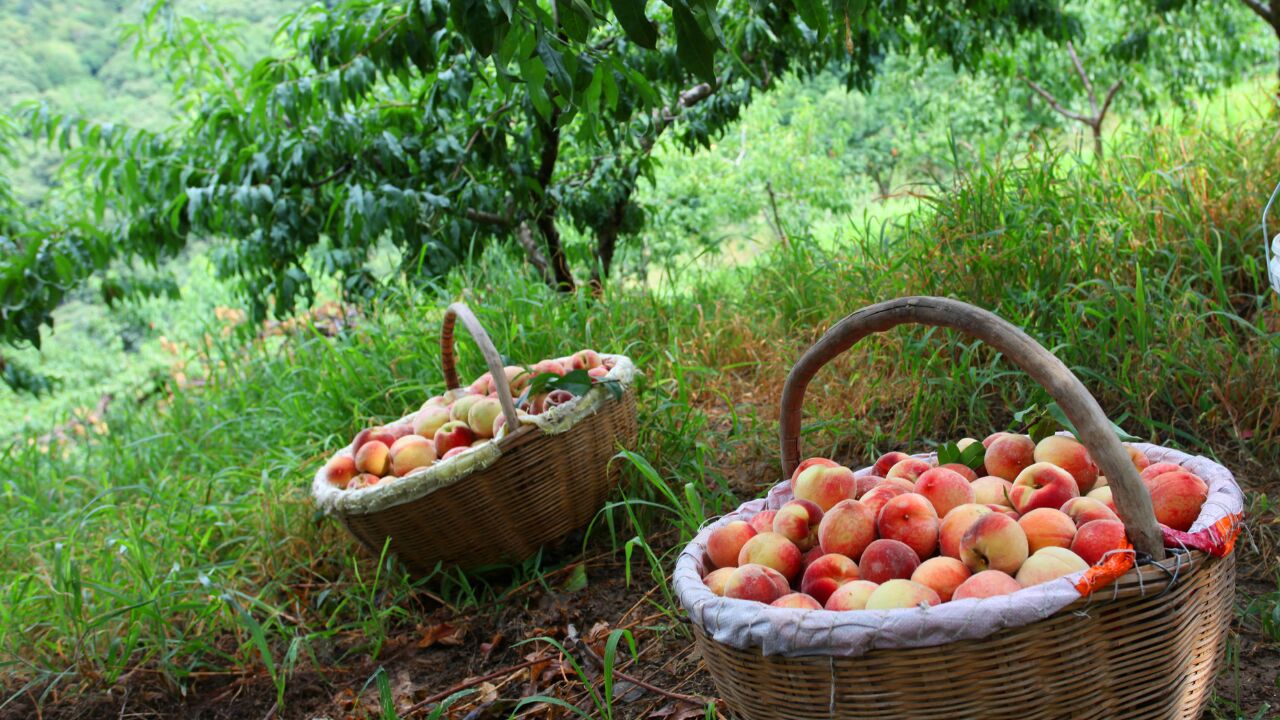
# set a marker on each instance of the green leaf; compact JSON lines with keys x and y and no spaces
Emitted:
{"x":575,"y":19}
{"x":639,"y":29}
{"x":695,"y":50}
{"x":554,"y":62}
{"x":814,"y":15}
{"x":577,"y":579}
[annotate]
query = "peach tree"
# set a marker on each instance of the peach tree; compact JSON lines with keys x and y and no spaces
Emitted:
{"x":439,"y":128}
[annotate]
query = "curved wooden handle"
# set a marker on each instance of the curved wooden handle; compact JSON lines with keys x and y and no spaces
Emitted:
{"x":459,"y":311}
{"x":1131,"y":498}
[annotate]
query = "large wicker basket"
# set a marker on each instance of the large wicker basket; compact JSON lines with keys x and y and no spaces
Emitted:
{"x":1147,"y":646}
{"x":542,"y":485}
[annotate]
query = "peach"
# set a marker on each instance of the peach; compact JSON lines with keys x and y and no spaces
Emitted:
{"x":1042,"y":485}
{"x":438,"y":400}
{"x":762,"y":521}
{"x":364,"y":436}
{"x":597,"y":373}
{"x":898,"y":593}
{"x":1102,"y":482}
{"x":1140,"y":460}
{"x":811,"y":462}
{"x":1005,"y":510}
{"x":1009,"y":455}
{"x":988,"y":583}
{"x":798,"y":601}
{"x":963,"y":470}
{"x":909,"y":469}
{"x":994,"y":542}
{"x":1085,"y":509}
{"x":851,"y":595}
{"x":888,"y":559}
{"x":865,"y":483}
{"x":450,"y":396}
{"x":1177,"y":497}
{"x":400,"y":429}
{"x":847,"y":528}
{"x":482,"y":415}
{"x":586,"y":359}
{"x":410,"y":453}
{"x":911,"y":519}
{"x":954,"y":526}
{"x":986,"y":442}
{"x":340,"y":470}
{"x":479,"y":442}
{"x":1103,"y":495}
{"x":1159,"y":468}
{"x":771,"y":550}
{"x":453,"y":434}
{"x":430,"y":419}
{"x":461,"y":407}
{"x":827,"y":574}
{"x":726,"y":542}
{"x":798,"y":522}
{"x":455,"y":452}
{"x":942,"y":575}
{"x":814,"y":553}
{"x":901,"y":483}
{"x":876,"y":497}
{"x":755,"y":582}
{"x":548,"y":366}
{"x":992,"y":490}
{"x":716,"y":579}
{"x":363,"y":480}
{"x":1096,"y":538}
{"x":965,"y":442}
{"x":1046,"y":527}
{"x":1049,"y":563}
{"x":824,"y":485}
{"x":372,"y":458}
{"x":944,"y":488}
{"x":1068,"y":454}
{"x":887,"y":461}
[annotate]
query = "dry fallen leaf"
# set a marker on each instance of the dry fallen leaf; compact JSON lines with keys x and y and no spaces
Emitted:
{"x":441,"y":633}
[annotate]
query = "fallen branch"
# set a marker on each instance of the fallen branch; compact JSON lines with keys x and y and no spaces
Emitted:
{"x":472,"y":682}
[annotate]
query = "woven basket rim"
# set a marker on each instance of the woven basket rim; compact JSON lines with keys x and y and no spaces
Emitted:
{"x":483,"y":456}
{"x":704,"y":607}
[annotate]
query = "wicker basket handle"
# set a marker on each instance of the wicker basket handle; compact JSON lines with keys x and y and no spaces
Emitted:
{"x":460,"y":311}
{"x":1131,"y":498}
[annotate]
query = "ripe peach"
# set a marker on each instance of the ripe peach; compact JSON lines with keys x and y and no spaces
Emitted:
{"x":1084,"y":509}
{"x":826,"y":574}
{"x":762,"y":521}
{"x":462,"y":406}
{"x":944,"y":488}
{"x":1068,"y":454}
{"x":1102,"y":482}
{"x":901,"y":483}
{"x":814,"y":553}
{"x":1177,"y":498}
{"x":437,"y":401}
{"x":452,"y":434}
{"x":1009,"y":455}
{"x":586,"y":359}
{"x":851,"y":595}
{"x":1042,"y":485}
{"x":548,"y":366}
{"x":1096,"y":538}
{"x":994,"y":542}
{"x":1004,"y":510}
{"x":798,"y":601}
{"x":824,"y":485}
{"x":865,"y":483}
{"x":1140,"y":460}
{"x":597,"y":373}
{"x":911,"y":519}
{"x":811,"y":462}
{"x":755,"y":582}
{"x":1046,"y":527}
{"x":898,"y":593}
{"x":454,"y":452}
{"x":1103,"y":495}
{"x":363,"y":480}
{"x":410,"y":453}
{"x":340,"y":470}
{"x":941,"y":574}
{"x":398,"y":430}
{"x":988,"y":583}
{"x":847,"y":528}
{"x":887,"y":461}
{"x":954,"y":526}
{"x":992,"y":490}
{"x":876,"y":497}
{"x":377,"y":433}
{"x":888,"y":559}
{"x":1049,"y":563}
{"x":716,"y":579}
{"x":798,"y":522}
{"x":909,"y":469}
{"x":986,"y":442}
{"x":963,"y":470}
{"x":482,"y":415}
{"x":771,"y":550}
{"x":429,"y":419}
{"x":1159,"y":468}
{"x":726,"y":542}
{"x":372,"y":458}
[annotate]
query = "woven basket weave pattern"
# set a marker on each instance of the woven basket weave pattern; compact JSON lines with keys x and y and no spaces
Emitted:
{"x":1135,"y":654}
{"x":542,"y":487}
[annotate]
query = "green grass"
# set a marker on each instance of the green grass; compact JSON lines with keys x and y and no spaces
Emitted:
{"x":184,"y":540}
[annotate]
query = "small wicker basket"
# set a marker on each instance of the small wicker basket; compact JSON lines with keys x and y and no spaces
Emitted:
{"x":1149,"y":646}
{"x":540,"y":487}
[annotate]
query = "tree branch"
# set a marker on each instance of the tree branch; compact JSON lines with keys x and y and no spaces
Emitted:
{"x":1260,"y":10}
{"x":1084,"y":77}
{"x":487,"y":218}
{"x":1057,"y":106}
{"x":1106,"y":104}
{"x":524,"y":236}
{"x":664,"y":117}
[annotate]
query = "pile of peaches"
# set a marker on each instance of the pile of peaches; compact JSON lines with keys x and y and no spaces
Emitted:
{"x":454,"y":423}
{"x":917,"y":533}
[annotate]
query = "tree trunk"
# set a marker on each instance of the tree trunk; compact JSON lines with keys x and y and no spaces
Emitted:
{"x":607,"y":240}
{"x":1097,"y":138}
{"x":546,"y":216}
